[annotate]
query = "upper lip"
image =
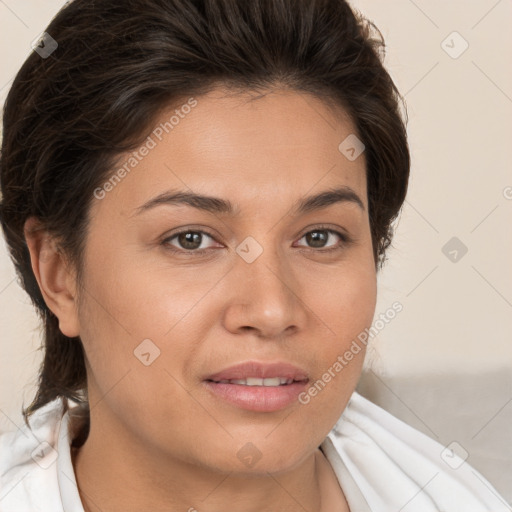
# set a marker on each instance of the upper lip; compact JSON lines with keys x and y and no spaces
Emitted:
{"x":260,"y":370}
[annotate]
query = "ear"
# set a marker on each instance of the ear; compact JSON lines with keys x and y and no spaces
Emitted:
{"x":54,"y":275}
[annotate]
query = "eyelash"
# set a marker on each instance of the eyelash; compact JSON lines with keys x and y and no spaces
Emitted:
{"x":345,"y":241}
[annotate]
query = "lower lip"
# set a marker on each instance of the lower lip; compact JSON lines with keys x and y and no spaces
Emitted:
{"x":258,"y":398}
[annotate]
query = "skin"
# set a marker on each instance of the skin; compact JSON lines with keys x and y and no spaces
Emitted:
{"x":159,"y":440}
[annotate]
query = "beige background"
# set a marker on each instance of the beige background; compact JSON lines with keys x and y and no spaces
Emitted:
{"x":444,"y":364}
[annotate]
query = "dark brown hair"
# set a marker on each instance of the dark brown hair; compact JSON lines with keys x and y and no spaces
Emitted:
{"x":118,"y":63}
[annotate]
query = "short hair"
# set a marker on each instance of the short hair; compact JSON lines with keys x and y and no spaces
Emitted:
{"x":118,"y":64}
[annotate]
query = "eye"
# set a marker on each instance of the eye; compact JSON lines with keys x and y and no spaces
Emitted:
{"x":188,"y":241}
{"x":319,"y":237}
{"x":194,"y":242}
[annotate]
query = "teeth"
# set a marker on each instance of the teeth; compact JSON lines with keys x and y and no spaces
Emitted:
{"x":255,"y":381}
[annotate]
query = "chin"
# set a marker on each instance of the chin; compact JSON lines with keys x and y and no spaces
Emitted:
{"x":259,"y":459}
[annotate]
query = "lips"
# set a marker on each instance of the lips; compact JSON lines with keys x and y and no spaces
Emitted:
{"x":258,"y":386}
{"x":260,"y":370}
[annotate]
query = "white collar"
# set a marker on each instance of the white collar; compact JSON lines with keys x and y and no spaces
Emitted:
{"x":68,"y":487}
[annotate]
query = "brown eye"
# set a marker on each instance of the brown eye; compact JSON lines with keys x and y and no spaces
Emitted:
{"x":319,"y":239}
{"x":190,"y":240}
{"x":187,"y":241}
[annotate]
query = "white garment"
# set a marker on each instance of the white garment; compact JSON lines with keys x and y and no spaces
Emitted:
{"x":382,"y":465}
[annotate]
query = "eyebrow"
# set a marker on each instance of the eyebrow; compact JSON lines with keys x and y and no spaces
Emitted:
{"x":217,"y":205}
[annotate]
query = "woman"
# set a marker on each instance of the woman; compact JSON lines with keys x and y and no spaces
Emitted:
{"x":197,"y":196}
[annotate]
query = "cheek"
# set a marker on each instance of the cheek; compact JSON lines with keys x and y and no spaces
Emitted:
{"x":344,"y":312}
{"x":131,"y":309}
{"x":346,"y":301}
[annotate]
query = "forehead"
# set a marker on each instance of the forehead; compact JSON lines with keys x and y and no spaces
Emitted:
{"x":245,"y":147}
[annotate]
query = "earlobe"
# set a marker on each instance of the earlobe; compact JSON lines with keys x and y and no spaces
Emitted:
{"x":53,"y":274}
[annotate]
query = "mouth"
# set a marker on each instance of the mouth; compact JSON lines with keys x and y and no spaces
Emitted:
{"x":258,"y":386}
{"x":256,"y":381}
{"x":260,"y":373}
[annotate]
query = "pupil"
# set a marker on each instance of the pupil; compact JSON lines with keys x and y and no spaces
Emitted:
{"x":187,"y":240}
{"x":315,"y":238}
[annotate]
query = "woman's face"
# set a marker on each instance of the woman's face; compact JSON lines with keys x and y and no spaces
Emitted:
{"x":267,"y":282}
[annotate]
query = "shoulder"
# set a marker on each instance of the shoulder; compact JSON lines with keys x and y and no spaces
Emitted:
{"x":399,"y":468}
{"x":28,"y":469}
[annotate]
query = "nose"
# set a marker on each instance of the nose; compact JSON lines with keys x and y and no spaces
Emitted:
{"x":267,"y":297}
